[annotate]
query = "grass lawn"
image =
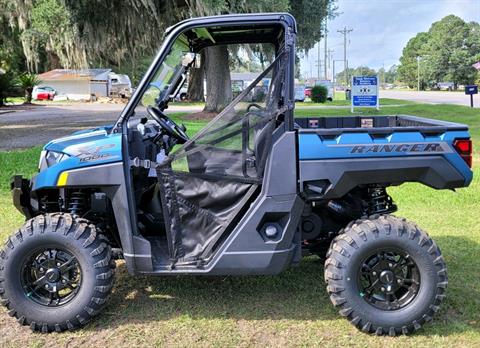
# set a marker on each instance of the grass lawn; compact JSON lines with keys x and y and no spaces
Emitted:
{"x":291,"y":309}
{"x":343,"y":102}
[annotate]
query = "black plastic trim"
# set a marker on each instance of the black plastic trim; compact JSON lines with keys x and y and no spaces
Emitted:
{"x":346,"y":174}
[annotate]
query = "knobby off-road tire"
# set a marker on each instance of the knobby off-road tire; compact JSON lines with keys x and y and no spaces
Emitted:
{"x":82,"y":254}
{"x":385,"y":236}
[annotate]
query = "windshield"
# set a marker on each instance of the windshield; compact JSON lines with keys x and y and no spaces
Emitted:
{"x":171,"y":72}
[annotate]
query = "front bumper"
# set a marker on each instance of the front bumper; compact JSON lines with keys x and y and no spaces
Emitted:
{"x":21,"y":190}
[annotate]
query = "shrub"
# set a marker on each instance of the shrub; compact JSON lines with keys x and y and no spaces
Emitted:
{"x":319,"y":94}
{"x":27,"y":82}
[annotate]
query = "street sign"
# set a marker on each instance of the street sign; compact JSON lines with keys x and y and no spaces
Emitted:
{"x":471,"y":90}
{"x":365,"y":92}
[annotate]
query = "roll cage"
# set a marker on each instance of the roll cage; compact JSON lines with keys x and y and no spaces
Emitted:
{"x":278,"y":29}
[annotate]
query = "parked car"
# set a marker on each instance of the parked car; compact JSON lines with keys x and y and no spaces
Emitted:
{"x":300,"y":93}
{"x":445,"y":86}
{"x":43,"y":93}
{"x":308,"y":92}
{"x":120,"y":85}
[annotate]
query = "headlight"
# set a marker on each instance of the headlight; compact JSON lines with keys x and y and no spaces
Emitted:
{"x":50,"y":158}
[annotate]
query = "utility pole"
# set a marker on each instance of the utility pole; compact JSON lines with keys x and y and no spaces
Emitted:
{"x":344,"y":32}
{"x":325,"y":49}
{"x":330,"y":56}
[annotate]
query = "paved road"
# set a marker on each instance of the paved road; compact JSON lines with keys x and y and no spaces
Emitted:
{"x":36,"y":125}
{"x":433,"y":97}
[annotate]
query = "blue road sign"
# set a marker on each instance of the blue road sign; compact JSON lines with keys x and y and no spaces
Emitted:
{"x":364,"y":91}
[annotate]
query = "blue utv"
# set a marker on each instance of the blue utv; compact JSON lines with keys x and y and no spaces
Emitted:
{"x":249,"y":194}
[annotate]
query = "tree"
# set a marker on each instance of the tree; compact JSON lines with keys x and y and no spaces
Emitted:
{"x":195,"y":82}
{"x":219,"y":90}
{"x":67,"y":32}
{"x":408,"y":69}
{"x":358,"y":71}
{"x":391,"y":74}
{"x":452,"y":47}
{"x":445,"y":53}
{"x":6,"y":86}
{"x":27,"y":82}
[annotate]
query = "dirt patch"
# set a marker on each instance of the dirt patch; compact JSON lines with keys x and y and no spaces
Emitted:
{"x":108,"y":100}
{"x":197,"y":116}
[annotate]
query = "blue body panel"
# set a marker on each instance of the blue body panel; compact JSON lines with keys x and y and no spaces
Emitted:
{"x":311,"y":146}
{"x":85,"y":148}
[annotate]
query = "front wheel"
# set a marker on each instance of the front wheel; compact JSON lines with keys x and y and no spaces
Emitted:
{"x":385,"y":275}
{"x":56,"y":273}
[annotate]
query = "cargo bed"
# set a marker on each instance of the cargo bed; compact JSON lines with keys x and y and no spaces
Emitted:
{"x":374,"y":124}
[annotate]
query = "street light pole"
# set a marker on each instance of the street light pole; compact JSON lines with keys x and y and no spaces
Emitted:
{"x":418,"y":73}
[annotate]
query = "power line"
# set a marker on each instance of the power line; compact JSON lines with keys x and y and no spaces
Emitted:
{"x":344,"y":32}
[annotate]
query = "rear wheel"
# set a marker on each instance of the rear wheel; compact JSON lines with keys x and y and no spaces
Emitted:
{"x":385,"y":275}
{"x":56,"y":273}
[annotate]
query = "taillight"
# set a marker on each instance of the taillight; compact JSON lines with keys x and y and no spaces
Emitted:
{"x":464,"y":149}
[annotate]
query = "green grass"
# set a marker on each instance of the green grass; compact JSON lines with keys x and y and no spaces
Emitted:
{"x":291,"y":309}
{"x":16,"y":100}
{"x":343,"y":102}
{"x":446,"y":112}
{"x":186,"y":103}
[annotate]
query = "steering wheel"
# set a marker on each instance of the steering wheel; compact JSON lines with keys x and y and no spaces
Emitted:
{"x":171,"y":128}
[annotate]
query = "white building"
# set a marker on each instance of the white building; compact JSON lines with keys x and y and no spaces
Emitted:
{"x":78,"y":84}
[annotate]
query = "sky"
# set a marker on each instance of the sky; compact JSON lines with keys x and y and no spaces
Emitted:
{"x":382,"y":28}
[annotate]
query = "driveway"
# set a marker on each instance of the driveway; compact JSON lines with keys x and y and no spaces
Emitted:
{"x":36,"y":125}
{"x":433,"y":97}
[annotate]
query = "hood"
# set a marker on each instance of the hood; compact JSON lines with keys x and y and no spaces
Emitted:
{"x":88,"y":148}
{"x":81,"y":142}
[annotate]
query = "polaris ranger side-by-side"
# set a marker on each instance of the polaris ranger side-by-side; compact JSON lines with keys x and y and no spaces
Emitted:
{"x":249,"y":194}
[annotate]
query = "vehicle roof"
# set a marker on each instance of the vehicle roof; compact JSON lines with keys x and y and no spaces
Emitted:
{"x":235,"y":18}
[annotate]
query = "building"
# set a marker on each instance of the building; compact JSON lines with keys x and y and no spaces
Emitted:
{"x":78,"y":84}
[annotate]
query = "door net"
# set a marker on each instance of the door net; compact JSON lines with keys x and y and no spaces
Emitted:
{"x":208,"y":180}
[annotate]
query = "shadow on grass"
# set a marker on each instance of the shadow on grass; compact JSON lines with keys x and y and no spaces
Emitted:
{"x":297,"y":294}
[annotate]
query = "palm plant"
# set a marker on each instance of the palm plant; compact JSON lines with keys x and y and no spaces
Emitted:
{"x":27,"y":82}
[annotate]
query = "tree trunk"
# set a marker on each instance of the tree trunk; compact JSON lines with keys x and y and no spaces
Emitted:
{"x":28,"y":95}
{"x":219,"y":88}
{"x":195,"y":82}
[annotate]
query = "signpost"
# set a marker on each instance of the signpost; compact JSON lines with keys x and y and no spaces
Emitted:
{"x":471,"y":90}
{"x":365,"y":92}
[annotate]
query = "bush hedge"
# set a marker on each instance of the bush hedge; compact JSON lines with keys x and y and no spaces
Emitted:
{"x":319,"y":94}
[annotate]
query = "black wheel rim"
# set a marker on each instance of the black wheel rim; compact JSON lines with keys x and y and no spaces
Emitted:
{"x":51,"y":277}
{"x":389,"y":279}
